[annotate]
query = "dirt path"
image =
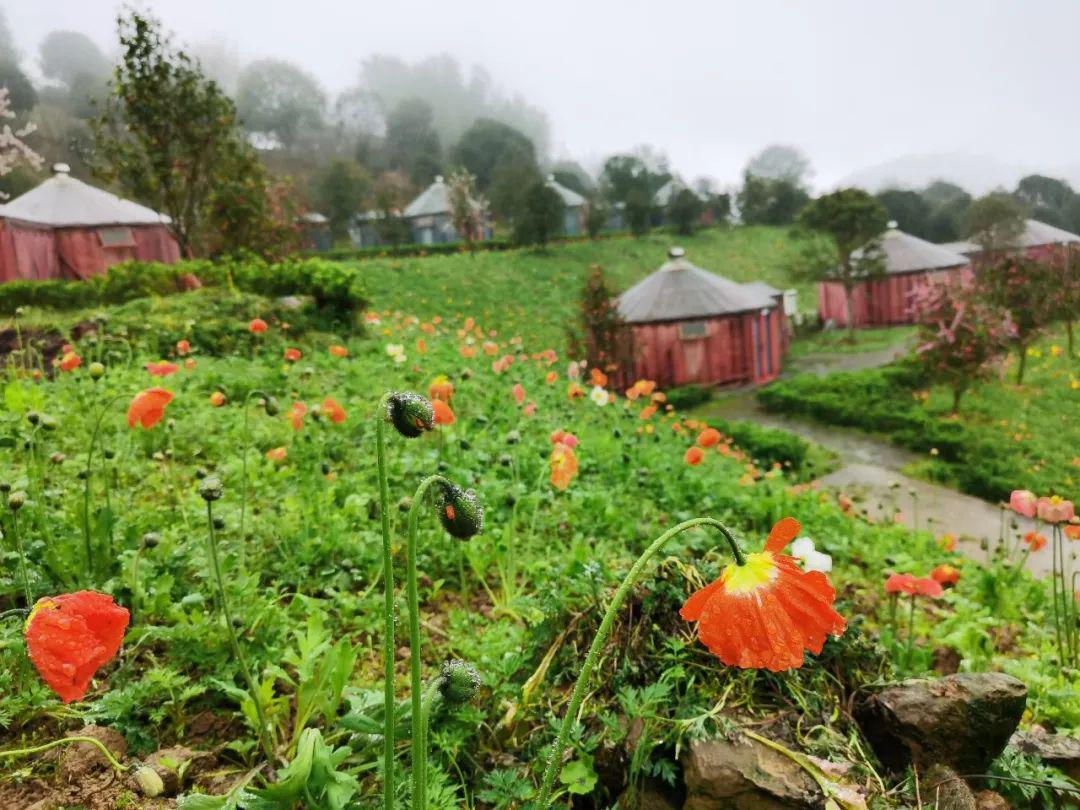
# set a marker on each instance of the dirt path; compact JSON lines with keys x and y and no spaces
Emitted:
{"x":870,"y":472}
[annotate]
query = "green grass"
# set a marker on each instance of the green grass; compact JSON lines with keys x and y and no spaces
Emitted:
{"x":837,"y":341}
{"x":537,"y":290}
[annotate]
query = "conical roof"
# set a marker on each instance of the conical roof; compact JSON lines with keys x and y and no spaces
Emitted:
{"x":435,"y":199}
{"x":904,"y":253}
{"x":570,"y":198}
{"x":681,"y":291}
{"x":1040,"y":233}
{"x":64,"y":202}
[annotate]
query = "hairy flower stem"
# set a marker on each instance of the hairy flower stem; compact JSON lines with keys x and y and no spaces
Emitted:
{"x":245,"y":440}
{"x":602,"y":635}
{"x":388,"y":606}
{"x":38,"y":749}
{"x":22,"y":558}
{"x":87,"y":545}
{"x":430,"y":698}
{"x":256,"y":696}
{"x":419,"y":750}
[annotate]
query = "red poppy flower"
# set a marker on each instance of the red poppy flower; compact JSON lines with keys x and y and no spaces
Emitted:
{"x":441,"y":388}
{"x":277,"y":454}
{"x":217,"y":399}
{"x":564,"y":465}
{"x":183,"y":347}
{"x":162,"y":369}
{"x":766,"y":613}
{"x":694,"y":456}
{"x":296,"y":415}
{"x":334,"y":412}
{"x":257,"y":326}
{"x":443,"y":414}
{"x":561,"y":436}
{"x":598,"y":378}
{"x":1072,"y":531}
{"x":292,"y":355}
{"x":148,"y":407}
{"x":927,"y":586}
{"x":709,"y":437}
{"x":946,"y":574}
{"x":1035,"y":541}
{"x":70,"y":361}
{"x":339,"y":351}
{"x":70,"y":637}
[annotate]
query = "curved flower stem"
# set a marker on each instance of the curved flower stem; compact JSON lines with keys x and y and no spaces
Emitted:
{"x":37,"y":749}
{"x":22,"y":558}
{"x":419,"y":751}
{"x":605,"y":630}
{"x":245,"y":438}
{"x":388,"y":605}
{"x":88,"y":550}
{"x":428,"y":703}
{"x":256,"y":697}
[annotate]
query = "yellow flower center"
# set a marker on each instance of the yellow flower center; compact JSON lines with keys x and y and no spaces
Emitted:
{"x":760,"y":570}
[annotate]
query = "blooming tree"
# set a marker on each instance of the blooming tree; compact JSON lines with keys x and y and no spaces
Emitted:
{"x":14,"y":151}
{"x":466,"y":206}
{"x":1027,"y":290}
{"x":959,"y":336}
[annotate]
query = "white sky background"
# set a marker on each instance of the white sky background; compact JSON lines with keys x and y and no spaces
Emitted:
{"x":851,"y":82}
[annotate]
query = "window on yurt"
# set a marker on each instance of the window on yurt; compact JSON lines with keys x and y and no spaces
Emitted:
{"x":116,"y":237}
{"x":692,"y":330}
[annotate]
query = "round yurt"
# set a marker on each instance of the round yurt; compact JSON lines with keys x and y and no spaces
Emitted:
{"x":68,"y":229}
{"x":691,"y":326}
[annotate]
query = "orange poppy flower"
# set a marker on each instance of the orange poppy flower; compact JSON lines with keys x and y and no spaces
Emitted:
{"x":441,"y":388}
{"x":467,"y":351}
{"x":912,"y":585}
{"x":709,"y":437}
{"x":946,"y":574}
{"x":70,"y":637}
{"x":277,"y":454}
{"x":561,"y":436}
{"x":334,"y":412}
{"x":574,"y":391}
{"x":70,"y":361}
{"x":443,"y":414}
{"x":292,"y":355}
{"x":183,"y":347}
{"x":647,"y":412}
{"x":1072,"y":531}
{"x":190,"y":364}
{"x":162,"y":369}
{"x":1035,"y":541}
{"x":518,"y":392}
{"x":598,"y":378}
{"x":766,"y":613}
{"x":339,"y":351}
{"x":694,"y":456}
{"x":296,"y":415}
{"x":490,"y":348}
{"x":217,"y":399}
{"x":257,"y":326}
{"x":148,"y":407}
{"x":947,"y":542}
{"x":551,"y":377}
{"x":421,"y":346}
{"x":564,"y":466}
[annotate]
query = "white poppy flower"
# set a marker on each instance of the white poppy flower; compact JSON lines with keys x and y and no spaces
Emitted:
{"x":599,"y":396}
{"x":812,"y":559}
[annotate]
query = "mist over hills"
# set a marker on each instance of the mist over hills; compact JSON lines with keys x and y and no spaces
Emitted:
{"x":978,"y":174}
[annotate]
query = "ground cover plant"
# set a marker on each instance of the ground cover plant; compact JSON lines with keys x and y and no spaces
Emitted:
{"x":1004,"y":436}
{"x":220,"y":469}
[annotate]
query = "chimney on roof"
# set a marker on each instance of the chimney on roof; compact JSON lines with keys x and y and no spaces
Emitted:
{"x":893,"y":225}
{"x":551,"y":178}
{"x":676,"y":253}
{"x":438,"y":178}
{"x":61,"y":168}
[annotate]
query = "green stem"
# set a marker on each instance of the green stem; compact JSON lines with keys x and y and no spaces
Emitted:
{"x":419,"y":753}
{"x":388,"y":606}
{"x":1055,"y":573}
{"x":37,"y":749}
{"x":135,"y":591}
{"x":425,"y":723}
{"x":87,"y":547}
{"x":910,"y":632}
{"x":245,"y":438}
{"x":256,"y":696}
{"x":22,"y":557}
{"x":602,"y":635}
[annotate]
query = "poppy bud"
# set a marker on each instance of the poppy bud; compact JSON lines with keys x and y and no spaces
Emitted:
{"x":411,"y":414}
{"x":57,"y":458}
{"x":460,"y":512}
{"x":5,"y":486}
{"x":270,"y":405}
{"x":110,"y":454}
{"x":33,"y":417}
{"x":16,"y":500}
{"x":210,"y":488}
{"x":324,"y":467}
{"x":464,"y":444}
{"x":150,"y":783}
{"x":97,"y":370}
{"x":458,"y":682}
{"x":405,"y":504}
{"x":513,"y":437}
{"x":505,"y":459}
{"x":49,"y":422}
{"x":151,"y":540}
{"x":219,"y":522}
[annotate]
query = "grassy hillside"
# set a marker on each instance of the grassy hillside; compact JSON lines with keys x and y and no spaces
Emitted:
{"x":541,"y":288}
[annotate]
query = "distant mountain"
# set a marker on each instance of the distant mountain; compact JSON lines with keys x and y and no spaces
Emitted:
{"x":976,"y":173}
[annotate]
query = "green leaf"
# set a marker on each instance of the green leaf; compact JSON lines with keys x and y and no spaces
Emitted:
{"x":579,"y":776}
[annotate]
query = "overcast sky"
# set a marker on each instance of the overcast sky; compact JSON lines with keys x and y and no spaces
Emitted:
{"x":853,"y":83}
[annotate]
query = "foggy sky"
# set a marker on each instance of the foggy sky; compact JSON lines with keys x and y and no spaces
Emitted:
{"x":852,"y":83}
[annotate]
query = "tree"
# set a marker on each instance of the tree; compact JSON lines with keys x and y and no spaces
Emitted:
{"x":908,"y":209}
{"x":541,"y":215}
{"x":466,"y":205}
{"x":489,"y":144}
{"x":340,"y":189}
{"x":765,"y":201}
{"x":779,"y":162}
{"x":513,"y":178}
{"x":1066,"y":299}
{"x":1026,"y":290}
{"x":69,"y":56}
{"x":639,"y":210}
{"x":570,"y":174}
{"x":169,"y":137}
{"x":21,"y":93}
{"x":948,"y":209}
{"x":959,"y":336}
{"x":608,"y":340}
{"x":276,"y":97}
{"x":627,"y":175}
{"x":596,"y":216}
{"x":1039,"y":191}
{"x":412,"y":145}
{"x":392,"y":190}
{"x":685,"y":210}
{"x":995,"y":222}
{"x":14,"y":152}
{"x":853,"y":220}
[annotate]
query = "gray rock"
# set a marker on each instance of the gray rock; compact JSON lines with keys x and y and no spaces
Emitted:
{"x":651,"y":796}
{"x":962,"y":721}
{"x":742,"y":774}
{"x":943,"y":789}
{"x":1054,"y":749}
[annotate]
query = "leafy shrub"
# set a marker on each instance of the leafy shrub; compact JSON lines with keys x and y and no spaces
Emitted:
{"x":689,"y":396}
{"x":766,"y":445}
